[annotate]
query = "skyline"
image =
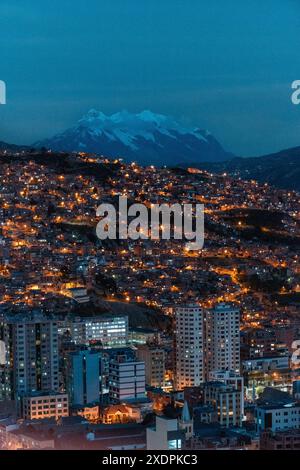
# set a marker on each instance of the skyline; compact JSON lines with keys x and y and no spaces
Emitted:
{"x":101,"y":336}
{"x":149,"y":277}
{"x":222,"y":68}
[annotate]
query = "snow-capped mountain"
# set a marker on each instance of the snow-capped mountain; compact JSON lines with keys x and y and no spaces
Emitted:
{"x":146,"y":138}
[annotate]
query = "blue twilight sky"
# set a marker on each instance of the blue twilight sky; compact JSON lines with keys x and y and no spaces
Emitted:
{"x":224,"y":65}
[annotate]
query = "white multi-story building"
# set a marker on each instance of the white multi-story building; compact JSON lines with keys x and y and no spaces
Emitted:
{"x":189,"y":363}
{"x":228,"y":402}
{"x":231,"y":378}
{"x":111,"y":331}
{"x":278,"y":417}
{"x":222,"y":338}
{"x":4,"y":386}
{"x":165,"y":435}
{"x":126,"y":379}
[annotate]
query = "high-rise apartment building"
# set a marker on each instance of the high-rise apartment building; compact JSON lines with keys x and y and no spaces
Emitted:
{"x":205,"y":341}
{"x":188,"y":348}
{"x":84,"y":377}
{"x":222,"y":338}
{"x":32,"y":355}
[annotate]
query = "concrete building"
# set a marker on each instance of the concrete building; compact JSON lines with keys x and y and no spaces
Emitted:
{"x":111,"y":331}
{"x":154,"y":359}
{"x":227,"y":401}
{"x":166,"y":435}
{"x":222,"y":338}
{"x":16,"y":438}
{"x":265,"y":364}
{"x":278,"y":417}
{"x":296,"y":389}
{"x":45,"y":405}
{"x":32,"y":355}
{"x":126,"y":378}
{"x":231,"y":378}
{"x":265,"y":372}
{"x":189,"y":367}
{"x":284,"y":440}
{"x":5,"y":391}
{"x":84,"y":378}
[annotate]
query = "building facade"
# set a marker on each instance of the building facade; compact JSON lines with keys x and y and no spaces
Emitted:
{"x":165,"y":435}
{"x":47,"y":405}
{"x":111,"y":331}
{"x":189,"y":361}
{"x":154,"y":359}
{"x":84,"y":377}
{"x":278,"y":417}
{"x":222,"y":338}
{"x":126,"y":378}
{"x":32,"y":355}
{"x":227,"y":401}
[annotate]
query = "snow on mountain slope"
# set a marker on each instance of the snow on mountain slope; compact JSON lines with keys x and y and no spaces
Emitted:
{"x":147,"y":138}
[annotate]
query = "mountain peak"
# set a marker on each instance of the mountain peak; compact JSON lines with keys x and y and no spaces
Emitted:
{"x":91,"y":116}
{"x":124,"y":116}
{"x":145,"y":137}
{"x":149,"y":116}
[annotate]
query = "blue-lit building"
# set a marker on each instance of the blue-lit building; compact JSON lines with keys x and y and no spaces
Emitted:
{"x":84,"y":378}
